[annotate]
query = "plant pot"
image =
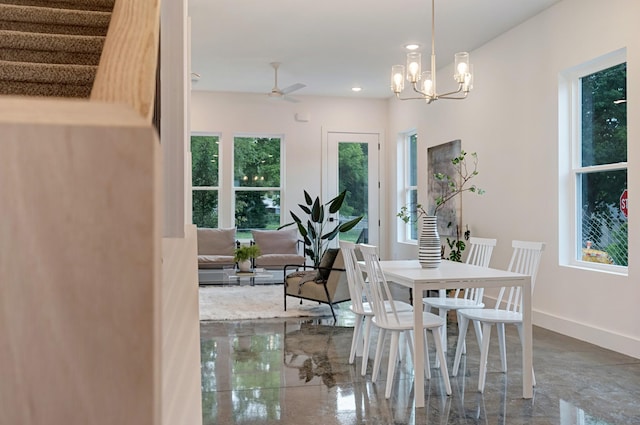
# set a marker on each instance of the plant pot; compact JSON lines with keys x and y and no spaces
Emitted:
{"x":429,"y":248}
{"x":244,"y":266}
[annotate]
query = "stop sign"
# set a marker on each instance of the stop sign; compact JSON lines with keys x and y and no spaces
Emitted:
{"x":623,"y":203}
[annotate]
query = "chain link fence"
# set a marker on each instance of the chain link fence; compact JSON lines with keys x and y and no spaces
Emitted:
{"x":604,"y":236}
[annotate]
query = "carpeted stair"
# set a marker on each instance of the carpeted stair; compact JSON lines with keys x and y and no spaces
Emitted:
{"x":51,"y":47}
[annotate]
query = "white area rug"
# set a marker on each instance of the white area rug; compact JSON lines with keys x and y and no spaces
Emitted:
{"x":254,"y":302}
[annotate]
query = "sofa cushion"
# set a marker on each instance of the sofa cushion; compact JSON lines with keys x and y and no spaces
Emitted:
{"x":214,"y":261}
{"x":279,"y":260}
{"x":216,"y":241}
{"x":276,"y":241}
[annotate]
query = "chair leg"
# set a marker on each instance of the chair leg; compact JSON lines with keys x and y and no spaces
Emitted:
{"x":464,"y":343}
{"x":366,"y":344}
{"x":478,"y":329}
{"x":355,"y":339}
{"x":378,"y":357}
{"x":443,"y":360}
{"x":463,"y":324}
{"x":503,"y":346}
{"x":393,"y":358}
{"x":484,"y":354}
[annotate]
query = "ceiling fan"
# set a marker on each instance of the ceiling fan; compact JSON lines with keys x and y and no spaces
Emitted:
{"x":278,"y":93}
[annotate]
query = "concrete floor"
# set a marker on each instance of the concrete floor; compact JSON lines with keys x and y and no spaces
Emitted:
{"x":296,"y":371}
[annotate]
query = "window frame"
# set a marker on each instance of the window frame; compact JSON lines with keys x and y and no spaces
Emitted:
{"x":406,"y":187}
{"x":570,"y":161}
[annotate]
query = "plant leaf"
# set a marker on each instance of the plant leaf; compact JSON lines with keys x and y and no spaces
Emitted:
{"x":336,"y":203}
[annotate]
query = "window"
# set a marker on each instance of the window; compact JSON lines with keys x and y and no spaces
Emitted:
{"x":410,"y":186}
{"x":598,"y":174}
{"x":256,"y":183}
{"x":204,"y":180}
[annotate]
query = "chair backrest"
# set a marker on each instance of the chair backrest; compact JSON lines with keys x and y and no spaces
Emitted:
{"x":524,"y":260}
{"x":377,"y":289}
{"x":480,"y":250}
{"x":355,"y":278}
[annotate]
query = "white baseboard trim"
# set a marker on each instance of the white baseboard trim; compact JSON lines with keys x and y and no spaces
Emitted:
{"x":604,"y":338}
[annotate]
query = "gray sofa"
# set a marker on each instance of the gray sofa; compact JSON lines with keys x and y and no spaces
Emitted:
{"x":278,"y":248}
{"x":216,"y":248}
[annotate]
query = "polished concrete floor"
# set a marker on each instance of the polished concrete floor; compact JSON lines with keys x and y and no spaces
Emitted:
{"x":296,"y":371}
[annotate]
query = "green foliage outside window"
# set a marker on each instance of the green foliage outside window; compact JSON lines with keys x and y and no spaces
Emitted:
{"x":604,"y":142}
{"x":204,"y":163}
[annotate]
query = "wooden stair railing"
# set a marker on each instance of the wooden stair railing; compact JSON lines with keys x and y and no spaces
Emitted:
{"x":83,"y":297}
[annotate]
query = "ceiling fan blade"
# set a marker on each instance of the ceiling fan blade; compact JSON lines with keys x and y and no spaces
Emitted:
{"x":291,"y":99}
{"x":293,"y":88}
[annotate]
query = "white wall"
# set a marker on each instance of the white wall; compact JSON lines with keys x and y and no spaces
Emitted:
{"x":234,"y":113}
{"x":511,"y":120}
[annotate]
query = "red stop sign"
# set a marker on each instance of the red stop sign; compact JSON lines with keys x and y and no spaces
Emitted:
{"x":623,"y":203}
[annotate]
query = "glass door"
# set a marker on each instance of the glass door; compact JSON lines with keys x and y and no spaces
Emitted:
{"x":352,"y":164}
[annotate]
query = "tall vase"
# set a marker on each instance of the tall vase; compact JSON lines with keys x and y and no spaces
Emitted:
{"x":429,"y":248}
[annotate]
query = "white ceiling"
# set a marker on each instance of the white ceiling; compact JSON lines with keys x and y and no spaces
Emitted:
{"x":333,"y":45}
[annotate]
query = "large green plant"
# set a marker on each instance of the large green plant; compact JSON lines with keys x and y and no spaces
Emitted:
{"x":317,"y":229}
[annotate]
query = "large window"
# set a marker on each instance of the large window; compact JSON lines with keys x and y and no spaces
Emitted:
{"x":257,"y":183}
{"x":599,"y":164}
{"x":409,"y":231}
{"x":204,"y":181}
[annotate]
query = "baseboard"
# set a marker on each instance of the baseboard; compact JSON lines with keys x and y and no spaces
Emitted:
{"x":604,"y":338}
{"x":601,"y":337}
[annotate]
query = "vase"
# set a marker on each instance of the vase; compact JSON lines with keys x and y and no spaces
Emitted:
{"x":429,"y":248}
{"x":244,"y":266}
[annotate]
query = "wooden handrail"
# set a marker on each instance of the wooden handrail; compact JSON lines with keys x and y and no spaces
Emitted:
{"x":127,"y":70}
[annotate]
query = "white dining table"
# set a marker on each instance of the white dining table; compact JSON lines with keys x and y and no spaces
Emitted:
{"x":451,"y":275}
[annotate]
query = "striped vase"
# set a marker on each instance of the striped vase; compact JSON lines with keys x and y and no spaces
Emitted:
{"x":429,"y":249}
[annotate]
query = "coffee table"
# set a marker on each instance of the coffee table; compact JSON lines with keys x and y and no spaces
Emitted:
{"x":259,"y":276}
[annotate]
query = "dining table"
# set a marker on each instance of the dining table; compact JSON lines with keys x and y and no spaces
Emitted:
{"x":452,"y":275}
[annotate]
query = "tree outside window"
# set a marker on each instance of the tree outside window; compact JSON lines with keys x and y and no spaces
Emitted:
{"x":204,"y":182}
{"x":257,"y":167}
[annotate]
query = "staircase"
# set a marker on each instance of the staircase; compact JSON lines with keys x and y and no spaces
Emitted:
{"x":51,"y":47}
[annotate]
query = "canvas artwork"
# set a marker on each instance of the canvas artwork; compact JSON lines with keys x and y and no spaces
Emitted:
{"x":439,"y":161}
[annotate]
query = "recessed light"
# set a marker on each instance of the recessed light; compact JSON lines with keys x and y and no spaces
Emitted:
{"x":356,"y":89}
{"x":412,"y":46}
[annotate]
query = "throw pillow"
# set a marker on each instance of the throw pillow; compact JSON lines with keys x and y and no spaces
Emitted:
{"x":326,"y":262}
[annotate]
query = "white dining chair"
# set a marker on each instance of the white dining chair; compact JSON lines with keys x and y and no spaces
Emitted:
{"x":524,"y":260}
{"x":360,"y":307}
{"x":479,"y":255}
{"x":397,"y":322}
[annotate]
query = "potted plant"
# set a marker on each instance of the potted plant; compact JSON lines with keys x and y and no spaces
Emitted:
{"x":454,"y":185}
{"x":316,"y":230}
{"x":243,"y":256}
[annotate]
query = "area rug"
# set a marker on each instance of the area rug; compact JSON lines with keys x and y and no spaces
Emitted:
{"x":254,"y":302}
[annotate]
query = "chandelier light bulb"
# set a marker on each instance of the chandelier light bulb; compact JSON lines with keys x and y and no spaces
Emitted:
{"x":397,"y":78}
{"x":414,"y":64}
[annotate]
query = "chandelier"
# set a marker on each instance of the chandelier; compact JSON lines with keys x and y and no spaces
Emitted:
{"x":424,"y":83}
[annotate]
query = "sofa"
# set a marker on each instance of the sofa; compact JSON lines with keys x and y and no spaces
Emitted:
{"x":216,"y":247}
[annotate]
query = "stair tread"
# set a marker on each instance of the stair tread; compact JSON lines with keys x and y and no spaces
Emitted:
{"x":47,"y":15}
{"x":47,"y":73}
{"x":51,"y":42}
{"x":102,"y":5}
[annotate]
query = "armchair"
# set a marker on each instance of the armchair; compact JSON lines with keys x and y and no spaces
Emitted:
{"x":325,"y":284}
